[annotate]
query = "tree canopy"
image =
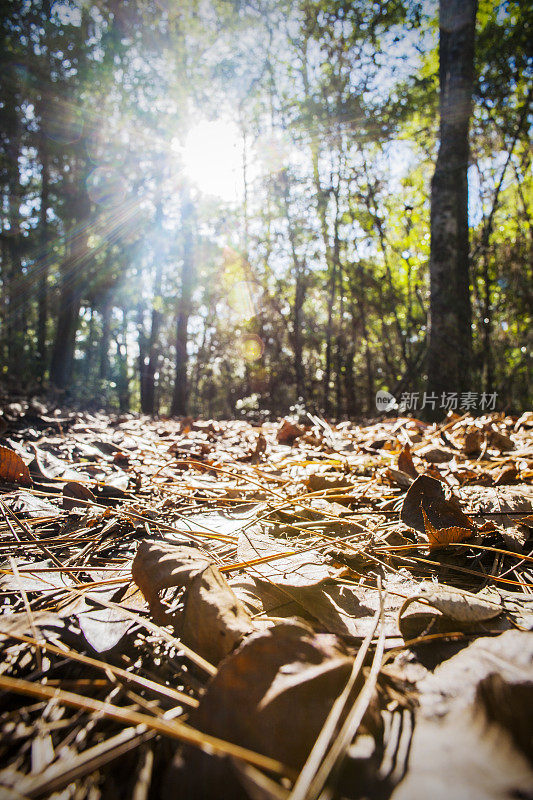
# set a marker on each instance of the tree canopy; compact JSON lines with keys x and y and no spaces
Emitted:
{"x":222,"y":207}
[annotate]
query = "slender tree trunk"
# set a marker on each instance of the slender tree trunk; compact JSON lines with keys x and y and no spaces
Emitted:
{"x":74,"y":272}
{"x":89,"y":349}
{"x":450,"y":335}
{"x":43,"y":258}
{"x":123,"y":379}
{"x":16,"y":327}
{"x":180,"y":393}
{"x":333,"y":268}
{"x":148,"y":395}
{"x":103,"y":354}
{"x":141,"y":340}
{"x":340,"y":348}
{"x":72,"y":285}
{"x":299,"y":296}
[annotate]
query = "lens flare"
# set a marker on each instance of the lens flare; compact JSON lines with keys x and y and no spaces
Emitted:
{"x":241,"y":299}
{"x":63,"y":122}
{"x":106,"y":187}
{"x":252,"y":347}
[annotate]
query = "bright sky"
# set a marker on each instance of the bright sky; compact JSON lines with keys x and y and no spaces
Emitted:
{"x":212,"y":157}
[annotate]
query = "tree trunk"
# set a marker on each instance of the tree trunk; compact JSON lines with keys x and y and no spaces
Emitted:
{"x":123,"y":377}
{"x":180,"y":393}
{"x":299,"y":295}
{"x":450,"y":312}
{"x":16,"y":327}
{"x":72,"y":284}
{"x":42,"y":260}
{"x":148,"y":399}
{"x":103,"y":356}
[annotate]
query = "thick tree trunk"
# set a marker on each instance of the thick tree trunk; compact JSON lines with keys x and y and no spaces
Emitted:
{"x":450,"y":312}
{"x":180,"y":393}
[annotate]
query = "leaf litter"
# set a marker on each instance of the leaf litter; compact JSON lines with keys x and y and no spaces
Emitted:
{"x":210,"y":609}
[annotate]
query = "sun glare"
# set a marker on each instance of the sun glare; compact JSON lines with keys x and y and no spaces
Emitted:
{"x":212,"y":158}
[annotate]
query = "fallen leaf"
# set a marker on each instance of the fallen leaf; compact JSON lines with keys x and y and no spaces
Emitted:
{"x":442,"y":537}
{"x":473,"y":730}
{"x":503,"y":506}
{"x":435,"y":455}
{"x":13,"y":469}
{"x":103,"y":628}
{"x":327,"y":480}
{"x":398,"y":478}
{"x":289,"y":432}
{"x":74,"y":492}
{"x":301,"y":569}
{"x":473,"y":442}
{"x":426,"y":509}
{"x":274,"y":693}
{"x":213,"y":620}
{"x":500,"y":441}
{"x":28,"y":505}
{"x":506,"y":475}
{"x":457,"y":605}
{"x":405,"y":462}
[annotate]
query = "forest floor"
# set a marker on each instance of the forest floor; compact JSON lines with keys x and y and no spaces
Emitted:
{"x":208,"y":610}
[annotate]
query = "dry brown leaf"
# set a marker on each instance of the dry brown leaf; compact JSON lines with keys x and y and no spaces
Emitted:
{"x":13,"y":469}
{"x":397,"y":478}
{"x":456,"y":604}
{"x":426,"y":509}
{"x":435,"y":455}
{"x":442,"y":537}
{"x":473,"y":442}
{"x":275,"y":692}
{"x":473,"y":729}
{"x":73,"y":492}
{"x":213,"y":620}
{"x":500,"y":440}
{"x":405,"y":462}
{"x":289,"y":432}
{"x":506,"y":475}
{"x":302,"y":569}
{"x":327,"y":480}
{"x":512,"y":527}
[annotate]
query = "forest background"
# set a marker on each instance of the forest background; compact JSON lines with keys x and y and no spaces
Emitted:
{"x":221,"y":208}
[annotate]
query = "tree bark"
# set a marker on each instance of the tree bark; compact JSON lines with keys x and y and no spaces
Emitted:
{"x":148,"y":394}
{"x":450,"y":334}
{"x":43,"y":259}
{"x":180,"y":393}
{"x":103,"y":355}
{"x":72,"y":284}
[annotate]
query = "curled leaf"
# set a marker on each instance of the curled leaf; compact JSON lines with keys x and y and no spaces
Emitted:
{"x":12,"y":468}
{"x":76,"y":495}
{"x":426,"y":509}
{"x":456,"y":604}
{"x":442,"y":537}
{"x":213,"y":620}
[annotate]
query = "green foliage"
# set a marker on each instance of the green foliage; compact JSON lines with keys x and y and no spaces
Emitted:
{"x":313,"y":281}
